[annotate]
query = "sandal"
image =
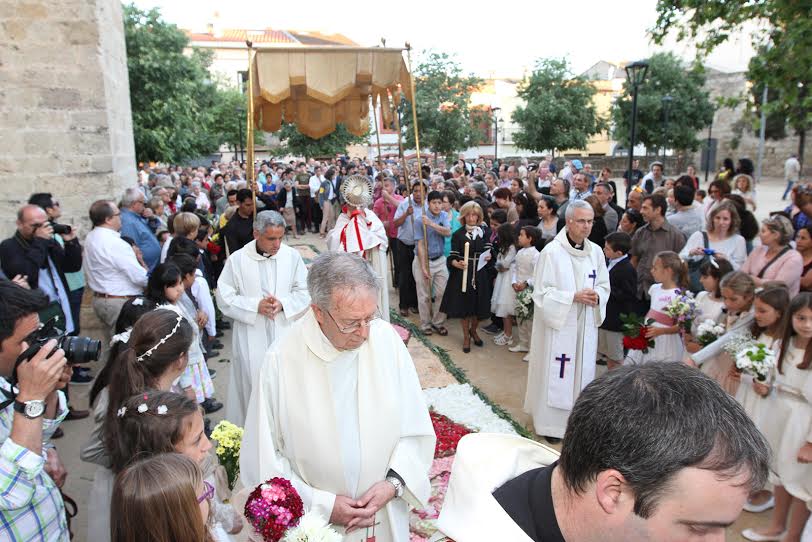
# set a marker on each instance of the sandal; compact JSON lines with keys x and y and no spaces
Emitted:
{"x":426,"y":331}
{"x":441,"y":330}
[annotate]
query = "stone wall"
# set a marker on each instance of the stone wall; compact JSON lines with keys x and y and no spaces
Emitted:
{"x":65,"y":120}
{"x":731,"y":85}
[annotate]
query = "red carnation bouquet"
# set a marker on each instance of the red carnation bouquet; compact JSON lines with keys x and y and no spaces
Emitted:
{"x":634,"y":332}
{"x":273,"y":508}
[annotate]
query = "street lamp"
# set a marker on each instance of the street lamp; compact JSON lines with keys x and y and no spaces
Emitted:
{"x":667,"y":101}
{"x":635,"y":75}
{"x":494,"y":112}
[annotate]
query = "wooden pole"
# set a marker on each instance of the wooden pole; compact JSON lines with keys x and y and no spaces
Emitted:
{"x":419,"y":168}
{"x":249,"y":132}
{"x":377,"y":128}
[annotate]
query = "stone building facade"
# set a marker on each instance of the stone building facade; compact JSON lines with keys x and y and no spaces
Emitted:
{"x":65,"y":119}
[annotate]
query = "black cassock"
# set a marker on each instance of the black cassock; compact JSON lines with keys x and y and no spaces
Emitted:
{"x":528,"y":500}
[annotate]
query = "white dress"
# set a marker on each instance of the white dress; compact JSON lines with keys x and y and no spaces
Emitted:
{"x":754,"y":404}
{"x":503,"y":299}
{"x":707,"y":308}
{"x":666,"y":347}
{"x":790,"y":412}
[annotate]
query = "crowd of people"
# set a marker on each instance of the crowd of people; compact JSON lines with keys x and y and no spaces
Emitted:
{"x":545,"y":255}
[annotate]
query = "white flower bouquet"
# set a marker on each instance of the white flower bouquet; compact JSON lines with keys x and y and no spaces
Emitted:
{"x":756,"y":360}
{"x":312,"y":528}
{"x":708,"y":331}
{"x":524,"y":304}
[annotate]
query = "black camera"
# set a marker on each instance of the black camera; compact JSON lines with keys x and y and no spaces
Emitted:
{"x":77,"y":349}
{"x":61,"y":229}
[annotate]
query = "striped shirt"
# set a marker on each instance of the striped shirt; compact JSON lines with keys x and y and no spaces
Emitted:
{"x":31,"y":508}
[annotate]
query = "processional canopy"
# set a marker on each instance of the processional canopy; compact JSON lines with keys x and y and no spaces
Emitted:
{"x":317,"y":87}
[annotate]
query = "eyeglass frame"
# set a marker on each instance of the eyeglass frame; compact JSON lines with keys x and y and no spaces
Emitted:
{"x":208,"y":492}
{"x":352,"y":329}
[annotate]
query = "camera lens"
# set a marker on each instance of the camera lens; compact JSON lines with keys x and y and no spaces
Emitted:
{"x":61,"y":229}
{"x":81,"y":349}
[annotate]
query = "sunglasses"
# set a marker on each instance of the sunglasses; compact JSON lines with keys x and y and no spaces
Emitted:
{"x":208,"y":492}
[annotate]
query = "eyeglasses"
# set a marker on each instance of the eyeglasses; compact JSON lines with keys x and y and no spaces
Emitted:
{"x":208,"y":492}
{"x":352,"y":328}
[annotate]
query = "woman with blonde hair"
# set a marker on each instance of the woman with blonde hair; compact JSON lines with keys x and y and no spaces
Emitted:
{"x":162,"y":498}
{"x":468,"y":291}
{"x":183,"y":225}
{"x":743,"y":186}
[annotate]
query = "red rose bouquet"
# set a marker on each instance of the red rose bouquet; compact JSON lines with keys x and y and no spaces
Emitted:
{"x":634,"y":332}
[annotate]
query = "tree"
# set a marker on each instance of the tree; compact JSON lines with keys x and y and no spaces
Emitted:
{"x":178,"y":111}
{"x":559,"y":112}
{"x":690,"y":109}
{"x":781,"y":32}
{"x":443,"y":106}
{"x":297,"y":144}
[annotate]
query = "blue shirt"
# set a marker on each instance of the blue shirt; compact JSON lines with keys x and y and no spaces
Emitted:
{"x":412,"y":223}
{"x":135,"y":227}
{"x":436,"y":241}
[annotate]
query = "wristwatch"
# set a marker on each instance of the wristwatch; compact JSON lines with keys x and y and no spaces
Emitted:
{"x":398,"y":485}
{"x":30,"y":409}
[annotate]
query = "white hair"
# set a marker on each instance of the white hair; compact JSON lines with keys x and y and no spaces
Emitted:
{"x":575,"y":204}
{"x":268,"y":219}
{"x":339,"y":272}
{"x":131,"y":195}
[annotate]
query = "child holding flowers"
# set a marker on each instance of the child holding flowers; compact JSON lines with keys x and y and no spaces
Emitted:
{"x":671,"y":276}
{"x":738,"y":291}
{"x":160,"y":422}
{"x":789,"y":411}
{"x":522,"y":280}
{"x":709,"y":302}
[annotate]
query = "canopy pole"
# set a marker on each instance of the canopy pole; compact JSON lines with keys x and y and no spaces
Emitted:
{"x":419,"y":167}
{"x":377,"y":127}
{"x":249,"y":132}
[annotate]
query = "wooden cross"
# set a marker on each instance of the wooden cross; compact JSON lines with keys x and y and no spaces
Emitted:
{"x":563,"y":359}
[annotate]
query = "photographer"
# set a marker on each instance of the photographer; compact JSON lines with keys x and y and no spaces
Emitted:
{"x":31,"y":472}
{"x":33,"y":253}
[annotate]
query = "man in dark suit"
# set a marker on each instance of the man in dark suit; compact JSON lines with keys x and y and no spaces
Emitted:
{"x":622,"y":299}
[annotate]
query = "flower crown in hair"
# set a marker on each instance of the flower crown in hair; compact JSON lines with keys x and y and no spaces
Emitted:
{"x":149,"y":352}
{"x":142,"y":408}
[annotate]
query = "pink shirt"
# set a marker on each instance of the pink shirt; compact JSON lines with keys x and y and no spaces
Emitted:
{"x":786,"y":269}
{"x":386,"y":212}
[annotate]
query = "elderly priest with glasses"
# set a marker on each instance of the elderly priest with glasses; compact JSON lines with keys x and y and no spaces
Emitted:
{"x":337,"y":409}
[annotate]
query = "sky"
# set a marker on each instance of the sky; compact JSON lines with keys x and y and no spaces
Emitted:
{"x":489,"y":39}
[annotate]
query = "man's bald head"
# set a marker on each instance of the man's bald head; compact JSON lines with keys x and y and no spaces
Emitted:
{"x":29,"y":219}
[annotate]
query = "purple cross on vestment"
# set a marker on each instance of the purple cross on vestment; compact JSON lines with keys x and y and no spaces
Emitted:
{"x":593,"y":276}
{"x":563,"y":359}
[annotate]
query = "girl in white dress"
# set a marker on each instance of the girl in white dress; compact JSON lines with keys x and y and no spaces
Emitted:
{"x":709,"y":302}
{"x":789,"y":410}
{"x":158,"y":422}
{"x":738,"y":292}
{"x":524,"y":269}
{"x":768,"y":328}
{"x":503,"y":299}
{"x":671,"y":276}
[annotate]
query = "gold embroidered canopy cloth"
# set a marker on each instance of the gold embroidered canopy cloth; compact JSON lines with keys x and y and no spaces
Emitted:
{"x":317,"y":87}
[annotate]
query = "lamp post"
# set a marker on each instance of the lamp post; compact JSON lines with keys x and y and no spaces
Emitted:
{"x":667,"y":101}
{"x":495,"y":113}
{"x":635,"y":75}
{"x":708,"y":152}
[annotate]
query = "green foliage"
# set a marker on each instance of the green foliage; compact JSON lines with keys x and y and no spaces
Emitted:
{"x":559,"y":112}
{"x":781,"y":32}
{"x":178,"y":111}
{"x":443,"y":110}
{"x":297,"y":144}
{"x":691,"y":109}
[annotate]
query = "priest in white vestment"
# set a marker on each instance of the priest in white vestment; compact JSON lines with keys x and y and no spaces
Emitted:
{"x":571,"y":288}
{"x":360,"y":231}
{"x":263,"y":287}
{"x":337,"y":409}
